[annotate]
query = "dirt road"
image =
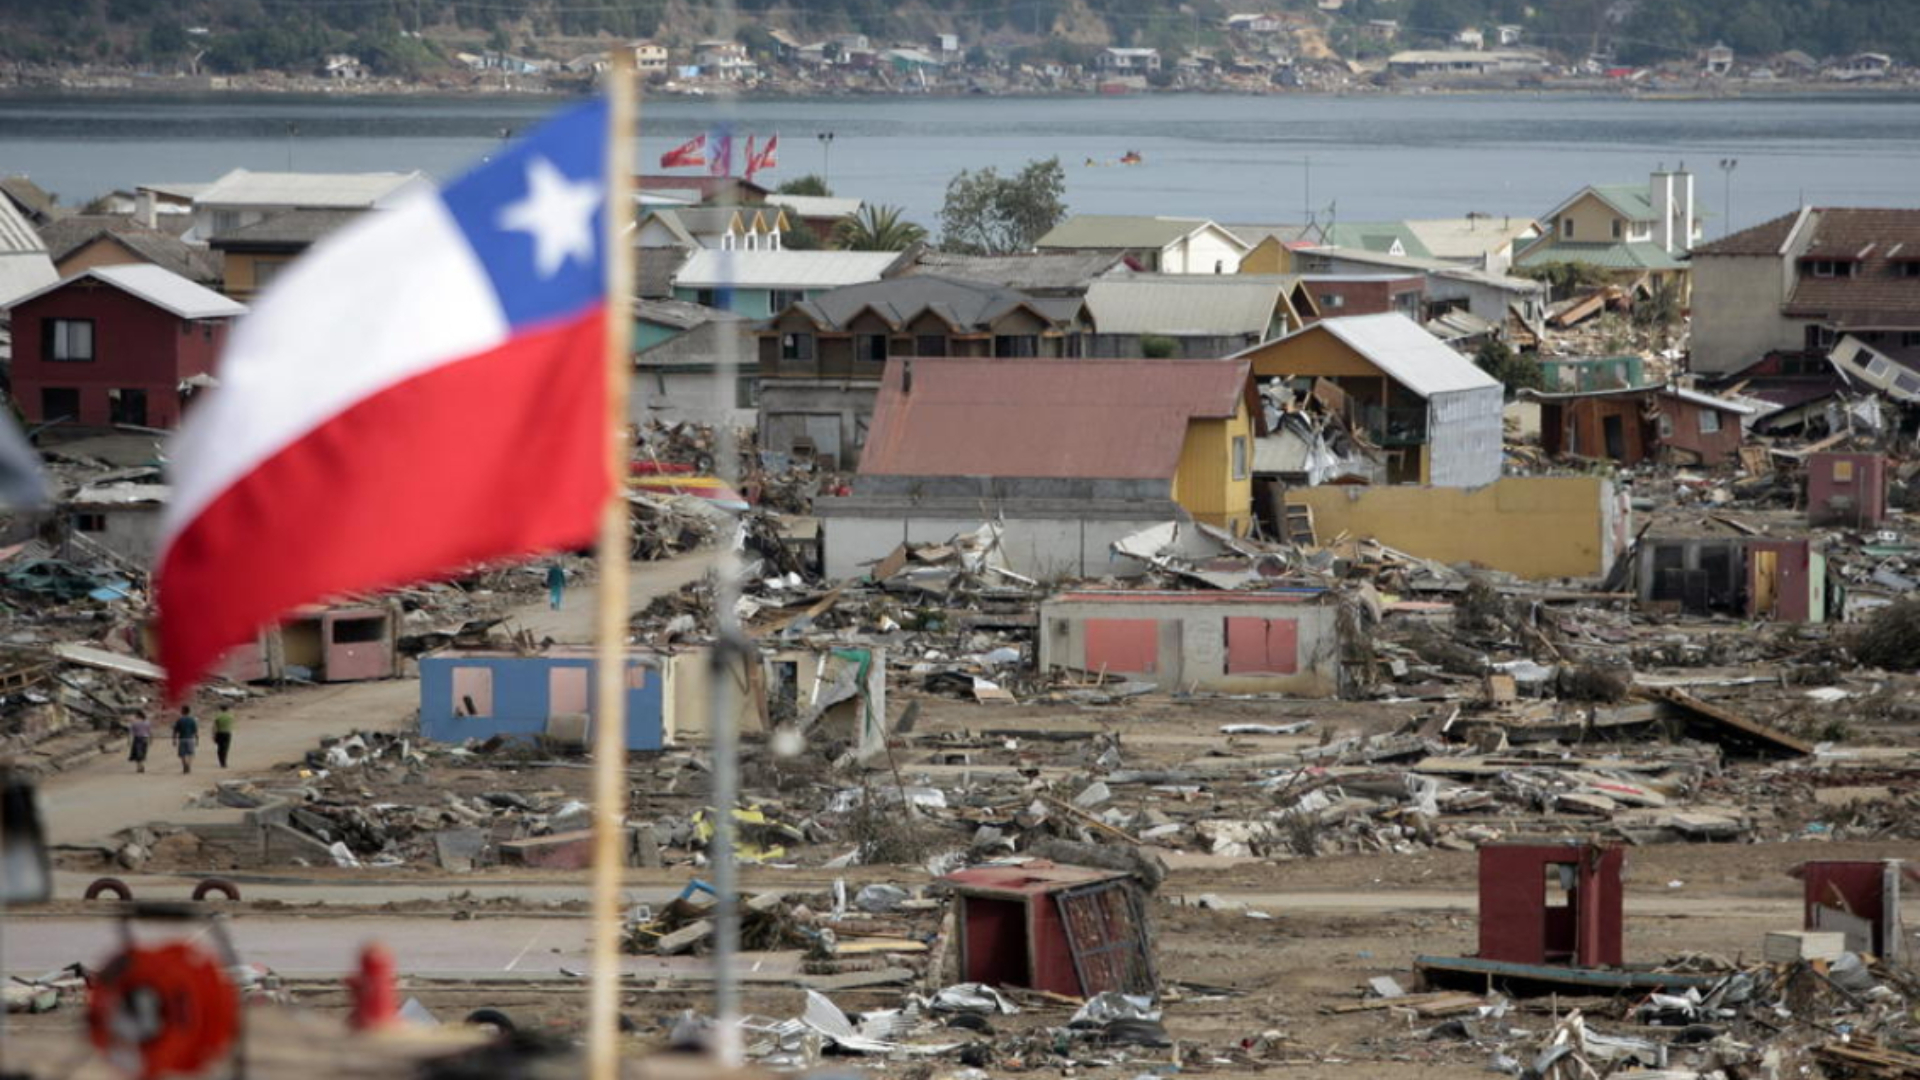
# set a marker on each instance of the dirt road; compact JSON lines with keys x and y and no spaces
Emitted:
{"x":88,"y":803}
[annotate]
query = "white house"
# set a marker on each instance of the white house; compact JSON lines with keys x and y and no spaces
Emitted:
{"x":1166,"y":244}
{"x":1132,"y":61}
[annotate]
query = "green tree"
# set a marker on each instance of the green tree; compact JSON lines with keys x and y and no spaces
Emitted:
{"x":877,"y":228}
{"x":1158,"y":347}
{"x":801,"y":237}
{"x":1515,"y":371}
{"x":988,"y":214}
{"x":166,"y":40}
{"x":810,"y":184}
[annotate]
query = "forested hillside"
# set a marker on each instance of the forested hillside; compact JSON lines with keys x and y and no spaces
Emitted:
{"x":411,"y":37}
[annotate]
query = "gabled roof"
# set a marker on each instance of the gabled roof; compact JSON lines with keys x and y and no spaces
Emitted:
{"x":1433,"y":267}
{"x":1705,"y":401}
{"x":161,"y":288}
{"x":1290,"y":235}
{"x":1631,"y":200}
{"x":17,"y":235}
{"x":1875,"y":296}
{"x":1378,"y":236}
{"x":700,"y":347}
{"x":1080,"y":419}
{"x":1401,"y":349}
{"x":1218,"y":305}
{"x":708,"y":269}
{"x":1113,"y":232}
{"x":242,"y":187}
{"x":1623,"y":255}
{"x":655,"y":269}
{"x":1766,"y":238}
{"x":163,"y":249}
{"x":28,"y":196}
{"x":1058,"y":271}
{"x":1470,"y":237}
{"x":963,"y":305}
{"x":292,"y":228}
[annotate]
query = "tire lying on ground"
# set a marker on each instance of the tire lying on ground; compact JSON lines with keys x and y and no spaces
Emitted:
{"x":109,"y":885}
{"x":493,"y":1018}
{"x":216,"y":885}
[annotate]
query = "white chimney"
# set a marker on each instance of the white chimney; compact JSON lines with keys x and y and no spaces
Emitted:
{"x":144,"y":211}
{"x":1687,"y":216}
{"x":1660,"y":194}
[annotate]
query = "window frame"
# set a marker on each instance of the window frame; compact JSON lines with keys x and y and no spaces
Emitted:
{"x":56,"y":330}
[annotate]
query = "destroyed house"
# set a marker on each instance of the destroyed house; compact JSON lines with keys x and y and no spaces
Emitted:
{"x":115,"y":345}
{"x":1782,"y":580}
{"x":1433,"y":414}
{"x":1198,"y":315}
{"x":1644,"y":423}
{"x":820,"y":358}
{"x":1069,"y":455}
{"x":480,"y":695}
{"x":1802,"y":282}
{"x":1263,"y":642}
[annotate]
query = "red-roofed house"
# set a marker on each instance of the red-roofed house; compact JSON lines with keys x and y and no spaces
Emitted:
{"x":1803,"y":281}
{"x":1068,"y":454}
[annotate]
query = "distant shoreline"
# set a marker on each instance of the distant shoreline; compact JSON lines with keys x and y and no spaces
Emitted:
{"x":112,"y":85}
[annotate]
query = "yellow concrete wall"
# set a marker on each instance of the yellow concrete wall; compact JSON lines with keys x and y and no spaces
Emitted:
{"x":1532,"y":526}
{"x":1204,"y":484}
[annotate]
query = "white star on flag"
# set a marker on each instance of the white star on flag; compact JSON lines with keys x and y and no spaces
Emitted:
{"x":557,"y":213}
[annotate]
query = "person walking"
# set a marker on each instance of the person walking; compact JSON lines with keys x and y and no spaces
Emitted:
{"x":223,"y":734}
{"x":556,"y":585}
{"x":142,"y":731}
{"x":186,"y":737}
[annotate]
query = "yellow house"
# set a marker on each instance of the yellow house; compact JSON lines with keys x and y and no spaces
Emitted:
{"x":1076,"y":434}
{"x":1635,"y":233}
{"x":253,"y":254}
{"x":1437,"y":416}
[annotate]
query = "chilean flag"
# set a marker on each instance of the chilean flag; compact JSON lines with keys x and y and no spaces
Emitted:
{"x":422,"y":391}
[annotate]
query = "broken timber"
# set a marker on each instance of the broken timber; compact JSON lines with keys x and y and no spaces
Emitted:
{"x":1730,"y":728}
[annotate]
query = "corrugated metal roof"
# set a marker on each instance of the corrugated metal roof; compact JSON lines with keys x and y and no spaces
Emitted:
{"x":161,"y":288}
{"x":782,"y":269}
{"x":966,"y":304}
{"x":242,"y":187}
{"x":1112,"y":232}
{"x":1055,"y":270}
{"x":289,"y":227}
{"x":1079,"y":419}
{"x":1195,"y":304}
{"x":1469,"y":237}
{"x":25,"y":274}
{"x":16,"y":234}
{"x":1638,"y":255}
{"x":1398,"y":346}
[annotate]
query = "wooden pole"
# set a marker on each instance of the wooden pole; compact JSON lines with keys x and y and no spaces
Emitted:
{"x":610,"y":600}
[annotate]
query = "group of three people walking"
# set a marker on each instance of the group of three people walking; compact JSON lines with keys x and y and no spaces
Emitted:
{"x":186,"y":738}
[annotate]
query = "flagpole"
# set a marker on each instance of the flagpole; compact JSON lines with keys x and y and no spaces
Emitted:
{"x":610,"y":598}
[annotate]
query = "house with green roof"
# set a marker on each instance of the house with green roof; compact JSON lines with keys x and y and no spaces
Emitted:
{"x":1383,"y":237}
{"x":1637,"y":233}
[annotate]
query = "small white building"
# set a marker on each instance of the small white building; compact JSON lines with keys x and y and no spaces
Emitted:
{"x":1129,"y":61}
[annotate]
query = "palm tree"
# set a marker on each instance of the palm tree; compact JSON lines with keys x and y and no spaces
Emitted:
{"x":877,"y":228}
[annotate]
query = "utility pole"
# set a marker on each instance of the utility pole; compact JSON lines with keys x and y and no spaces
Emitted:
{"x":1727,"y":165}
{"x":826,"y":157}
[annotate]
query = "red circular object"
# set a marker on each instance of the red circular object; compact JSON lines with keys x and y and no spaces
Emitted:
{"x":163,"y":1009}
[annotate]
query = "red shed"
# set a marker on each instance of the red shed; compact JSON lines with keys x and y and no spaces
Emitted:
{"x":1551,"y":904}
{"x":1860,"y":899}
{"x":1846,"y":489}
{"x":115,"y":344}
{"x":1067,"y":929}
